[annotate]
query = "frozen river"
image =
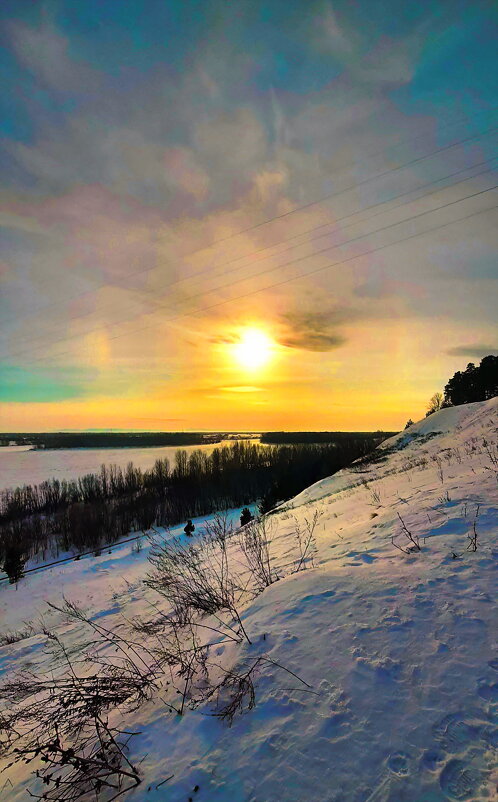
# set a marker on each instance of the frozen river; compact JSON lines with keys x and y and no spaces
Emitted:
{"x":19,"y":465}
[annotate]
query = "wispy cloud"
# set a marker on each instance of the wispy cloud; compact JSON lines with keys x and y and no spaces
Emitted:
{"x":315,"y":331}
{"x":45,"y":52}
{"x":242,"y":389}
{"x":476,"y":350}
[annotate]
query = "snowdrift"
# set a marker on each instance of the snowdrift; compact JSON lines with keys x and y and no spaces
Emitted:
{"x":395,"y":634}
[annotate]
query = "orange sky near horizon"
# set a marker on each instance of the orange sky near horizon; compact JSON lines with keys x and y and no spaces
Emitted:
{"x":377,"y":380}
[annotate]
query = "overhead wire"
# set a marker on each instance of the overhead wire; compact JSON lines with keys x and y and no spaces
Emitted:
{"x":362,"y":182}
{"x":261,"y":257}
{"x":300,"y":275}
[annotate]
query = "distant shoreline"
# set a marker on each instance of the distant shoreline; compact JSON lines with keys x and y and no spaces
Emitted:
{"x":106,"y":440}
{"x":90,"y":441}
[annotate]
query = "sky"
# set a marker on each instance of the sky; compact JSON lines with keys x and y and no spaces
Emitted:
{"x":244,"y":215}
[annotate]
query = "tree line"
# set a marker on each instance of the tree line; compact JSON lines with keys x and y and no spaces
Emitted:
{"x":53,"y":440}
{"x":99,"y":508}
{"x":475,"y":383}
{"x":322,"y":437}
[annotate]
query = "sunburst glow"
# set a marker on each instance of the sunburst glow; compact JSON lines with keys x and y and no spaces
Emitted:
{"x":254,"y":349}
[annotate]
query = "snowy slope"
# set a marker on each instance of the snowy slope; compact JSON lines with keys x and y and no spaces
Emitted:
{"x":400,"y":649}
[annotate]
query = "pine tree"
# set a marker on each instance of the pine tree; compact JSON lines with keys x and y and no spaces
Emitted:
{"x":245,"y":516}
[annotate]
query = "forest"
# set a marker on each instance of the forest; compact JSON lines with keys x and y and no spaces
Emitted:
{"x":321,"y":437}
{"x":475,"y":383}
{"x":98,"y":509}
{"x":51,"y":440}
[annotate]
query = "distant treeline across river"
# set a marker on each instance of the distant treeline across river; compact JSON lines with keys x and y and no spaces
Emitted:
{"x":100,"y":508}
{"x":288,"y":438}
{"x":51,"y":440}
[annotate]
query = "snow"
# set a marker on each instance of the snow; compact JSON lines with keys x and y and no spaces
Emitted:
{"x":400,"y":649}
{"x":93,"y":582}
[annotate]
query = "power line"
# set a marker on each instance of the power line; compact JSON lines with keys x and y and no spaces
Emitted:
{"x":309,"y":272}
{"x":308,"y":205}
{"x":354,"y":186}
{"x":317,"y":270}
{"x":163,"y":287}
{"x":270,"y":270}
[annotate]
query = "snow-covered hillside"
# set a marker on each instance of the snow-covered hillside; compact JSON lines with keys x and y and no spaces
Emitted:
{"x":398,"y":644}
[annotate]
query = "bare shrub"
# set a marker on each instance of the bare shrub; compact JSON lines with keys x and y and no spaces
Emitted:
{"x":375,"y":496}
{"x":254,"y":541}
{"x":98,"y":764}
{"x":413,"y":539}
{"x":197,"y":579}
{"x":472,"y":536}
{"x":457,"y":455}
{"x":306,"y":542}
{"x":491,"y":451}
{"x":235,"y":693}
{"x":61,"y":719}
{"x":14,"y":637}
{"x":439,"y":463}
{"x":374,"y":493}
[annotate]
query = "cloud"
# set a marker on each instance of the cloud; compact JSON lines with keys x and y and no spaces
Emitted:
{"x":185,"y":173}
{"x":390,"y":62}
{"x":44,"y":52}
{"x":138,"y":171}
{"x":366,"y":56}
{"x":242,"y":389}
{"x":314,"y":331}
{"x":478,"y":350}
{"x":378,"y":286}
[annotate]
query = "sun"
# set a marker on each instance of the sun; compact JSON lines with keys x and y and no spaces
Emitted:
{"x":254,"y":349}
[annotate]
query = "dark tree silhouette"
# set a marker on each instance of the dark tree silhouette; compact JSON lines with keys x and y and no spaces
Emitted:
{"x":408,"y":423}
{"x":13,"y":565}
{"x":245,"y":516}
{"x":435,"y":404}
{"x":474,"y":383}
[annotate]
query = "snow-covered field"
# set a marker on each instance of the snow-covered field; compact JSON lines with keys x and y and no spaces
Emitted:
{"x":399,"y":646}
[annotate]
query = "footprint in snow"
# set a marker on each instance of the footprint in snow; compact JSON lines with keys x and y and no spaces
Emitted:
{"x":459,"y":780}
{"x":488,"y":692}
{"x":317,"y":596}
{"x":399,"y":764}
{"x":432,"y":759}
{"x":380,"y":670}
{"x":334,"y":709}
{"x":278,"y":742}
{"x":490,"y":736}
{"x":456,"y":731}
